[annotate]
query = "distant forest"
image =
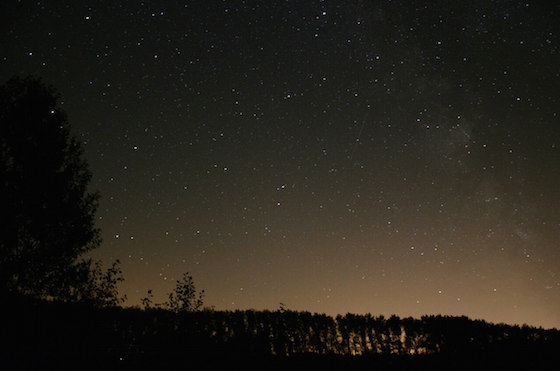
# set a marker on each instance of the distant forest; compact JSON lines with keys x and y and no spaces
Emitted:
{"x":39,"y":333}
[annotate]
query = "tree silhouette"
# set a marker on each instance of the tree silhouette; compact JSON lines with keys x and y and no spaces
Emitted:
{"x":95,"y":286}
{"x":185,"y":298}
{"x":47,"y":210}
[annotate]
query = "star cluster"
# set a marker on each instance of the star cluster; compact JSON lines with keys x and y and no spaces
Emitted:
{"x":353,"y":156}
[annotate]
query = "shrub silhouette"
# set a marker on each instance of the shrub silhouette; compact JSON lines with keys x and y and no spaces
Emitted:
{"x":184,"y":298}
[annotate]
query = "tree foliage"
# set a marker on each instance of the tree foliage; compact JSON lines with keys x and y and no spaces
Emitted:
{"x":48,"y":212}
{"x":96,"y":286}
{"x":185,"y":298}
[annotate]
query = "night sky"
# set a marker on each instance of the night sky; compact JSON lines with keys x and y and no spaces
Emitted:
{"x":332,"y":156}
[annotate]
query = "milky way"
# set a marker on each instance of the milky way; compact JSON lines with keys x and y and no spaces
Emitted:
{"x":332,"y":156}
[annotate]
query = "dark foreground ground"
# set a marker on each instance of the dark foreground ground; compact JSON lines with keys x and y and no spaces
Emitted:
{"x":188,"y":361}
{"x":36,"y":336}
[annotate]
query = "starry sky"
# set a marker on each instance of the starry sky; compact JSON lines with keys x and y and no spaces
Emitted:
{"x":383,"y":157}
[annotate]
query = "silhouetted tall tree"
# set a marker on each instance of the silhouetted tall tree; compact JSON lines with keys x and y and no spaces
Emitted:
{"x":47,"y":219}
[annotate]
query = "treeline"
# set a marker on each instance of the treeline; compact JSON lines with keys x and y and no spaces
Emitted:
{"x":38,"y":333}
{"x":286,"y":333}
